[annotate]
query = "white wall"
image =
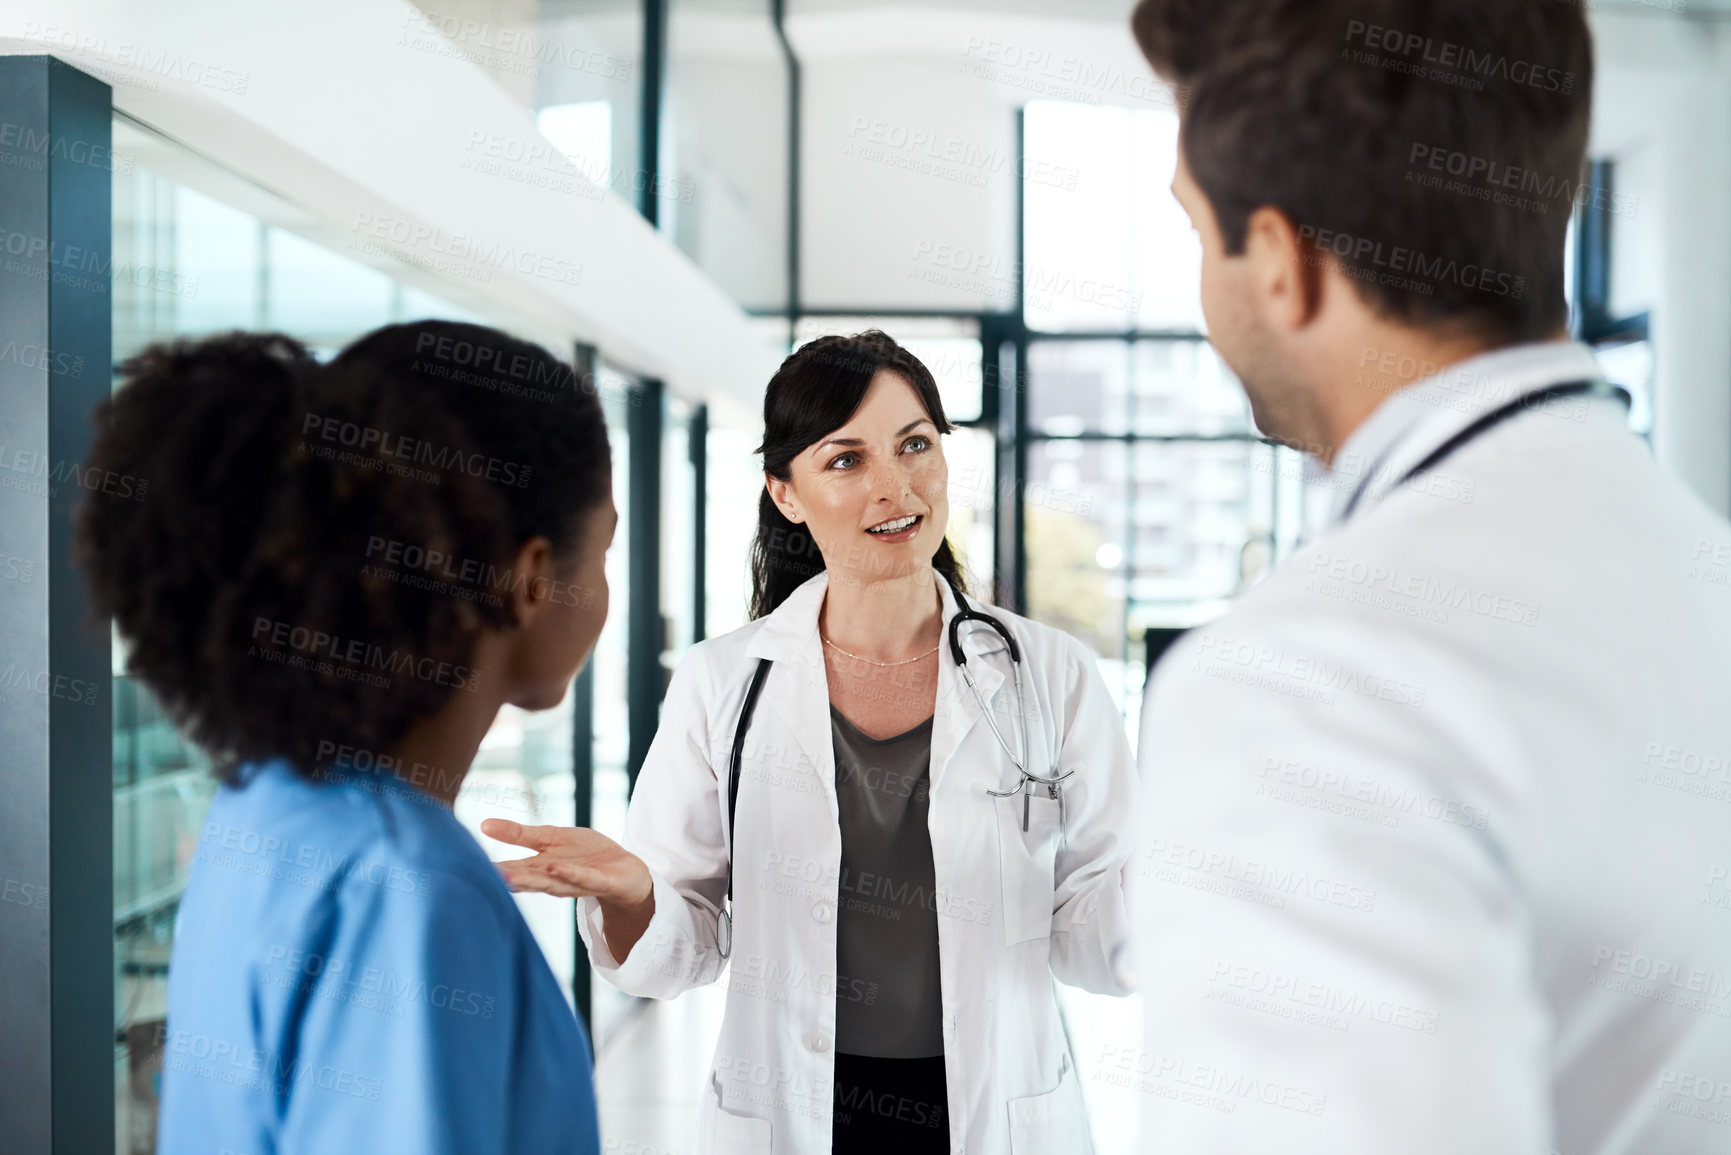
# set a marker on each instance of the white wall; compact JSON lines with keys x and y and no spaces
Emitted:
{"x":908,"y":141}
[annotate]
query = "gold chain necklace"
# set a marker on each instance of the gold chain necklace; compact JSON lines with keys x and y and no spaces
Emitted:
{"x":874,"y":662}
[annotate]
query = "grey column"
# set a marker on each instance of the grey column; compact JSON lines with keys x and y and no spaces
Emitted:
{"x":56,"y":744}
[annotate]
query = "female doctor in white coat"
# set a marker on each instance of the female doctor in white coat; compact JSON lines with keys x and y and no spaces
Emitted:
{"x":902,"y":893}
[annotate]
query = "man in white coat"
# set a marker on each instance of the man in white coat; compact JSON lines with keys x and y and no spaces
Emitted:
{"x":1437,"y":820}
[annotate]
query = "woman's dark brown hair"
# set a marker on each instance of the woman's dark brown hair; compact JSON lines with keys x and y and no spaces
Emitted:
{"x":816,"y":391}
{"x":321,"y":545}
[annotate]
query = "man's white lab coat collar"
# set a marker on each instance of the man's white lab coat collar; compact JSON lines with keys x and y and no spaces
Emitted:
{"x":1419,"y":418}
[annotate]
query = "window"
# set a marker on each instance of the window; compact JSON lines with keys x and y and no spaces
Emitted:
{"x":1149,"y":498}
{"x":1610,"y":276}
{"x":722,"y":187}
{"x":1106,"y":246}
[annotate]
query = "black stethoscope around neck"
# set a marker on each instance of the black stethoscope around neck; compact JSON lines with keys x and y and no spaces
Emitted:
{"x":965,"y":613}
{"x":1024,"y":787}
{"x":1477,"y":429}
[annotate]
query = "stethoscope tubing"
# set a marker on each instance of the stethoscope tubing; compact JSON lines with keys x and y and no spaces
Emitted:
{"x":964,"y":613}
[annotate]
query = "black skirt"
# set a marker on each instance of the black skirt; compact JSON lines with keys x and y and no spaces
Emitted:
{"x":897,"y":1105}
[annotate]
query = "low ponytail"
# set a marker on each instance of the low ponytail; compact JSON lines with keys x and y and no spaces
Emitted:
{"x":783,"y":558}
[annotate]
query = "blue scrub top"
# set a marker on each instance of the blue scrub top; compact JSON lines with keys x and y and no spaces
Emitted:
{"x":350,"y":973}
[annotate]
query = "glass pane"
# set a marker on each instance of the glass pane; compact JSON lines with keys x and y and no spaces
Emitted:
{"x":735,"y":487}
{"x":1206,"y":521}
{"x":323,"y":298}
{"x":1640,"y":176}
{"x":557,"y":52}
{"x":162,"y":787}
{"x":583,"y":131}
{"x":1569,"y":285}
{"x":677,"y":521}
{"x":1289,"y":514}
{"x":1184,"y":387}
{"x":523,"y":772}
{"x":216,"y":252}
{"x":1166,"y":253}
{"x":724,"y":192}
{"x":149,"y":294}
{"x":1075,"y":536}
{"x":1107,"y":246}
{"x":608,"y":664}
{"x":1076,"y":539}
{"x":774,"y":332}
{"x":1195,"y":507}
{"x":1078,"y":206}
{"x":413,"y":304}
{"x":576,"y":63}
{"x":1156,"y":388}
{"x":1078,"y":387}
{"x":971,"y":456}
{"x":587,"y":78}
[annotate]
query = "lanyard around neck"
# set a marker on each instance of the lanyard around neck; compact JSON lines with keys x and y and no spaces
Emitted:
{"x":1477,"y":429}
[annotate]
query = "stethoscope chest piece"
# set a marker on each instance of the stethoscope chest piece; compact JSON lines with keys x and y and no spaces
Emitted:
{"x":1025,"y":787}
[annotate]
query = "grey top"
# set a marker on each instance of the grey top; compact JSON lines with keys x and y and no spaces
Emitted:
{"x":888,"y":1002}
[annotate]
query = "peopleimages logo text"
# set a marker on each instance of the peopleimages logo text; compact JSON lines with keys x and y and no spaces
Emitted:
{"x":419,"y":451}
{"x":426,"y":241}
{"x":1490,"y":178}
{"x":1397,"y":258}
{"x":279,"y":638}
{"x":1448,"y":55}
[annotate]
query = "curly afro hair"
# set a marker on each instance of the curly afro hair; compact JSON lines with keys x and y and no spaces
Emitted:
{"x":250,"y":583}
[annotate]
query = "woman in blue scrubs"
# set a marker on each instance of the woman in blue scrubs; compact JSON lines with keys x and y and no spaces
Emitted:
{"x":337,"y":576}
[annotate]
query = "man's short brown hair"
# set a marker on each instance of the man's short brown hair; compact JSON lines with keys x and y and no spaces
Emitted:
{"x":1433,"y":148}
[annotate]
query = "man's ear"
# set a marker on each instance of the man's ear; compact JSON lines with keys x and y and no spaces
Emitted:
{"x":1286,"y":271}
{"x":781,"y":493}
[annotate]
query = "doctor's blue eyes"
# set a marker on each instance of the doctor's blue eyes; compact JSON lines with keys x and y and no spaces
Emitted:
{"x":846,"y":461}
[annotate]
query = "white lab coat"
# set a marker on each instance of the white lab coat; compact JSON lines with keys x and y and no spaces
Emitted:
{"x":1439,"y":815}
{"x":1014,"y":908}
